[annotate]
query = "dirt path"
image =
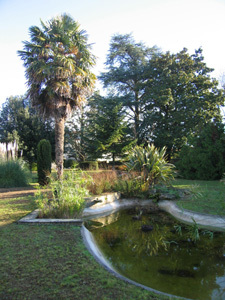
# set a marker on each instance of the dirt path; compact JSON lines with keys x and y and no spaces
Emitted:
{"x":8,"y":193}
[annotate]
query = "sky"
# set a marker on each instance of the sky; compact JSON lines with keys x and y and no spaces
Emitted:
{"x":169,"y":24}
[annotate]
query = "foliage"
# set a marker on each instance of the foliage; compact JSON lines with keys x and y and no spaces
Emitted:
{"x":204,"y":156}
{"x":130,"y":188}
{"x":44,"y":161}
{"x":20,"y":122}
{"x":102,"y":181}
{"x":89,"y":165}
{"x":58,"y":62}
{"x":14,"y":173}
{"x":74,"y":134}
{"x":151,"y":163}
{"x":68,"y":196}
{"x":193,"y":232}
{"x":70,"y":163}
{"x":167,"y":96}
{"x":106,"y":132}
{"x":125,"y":62}
{"x":180,"y":98}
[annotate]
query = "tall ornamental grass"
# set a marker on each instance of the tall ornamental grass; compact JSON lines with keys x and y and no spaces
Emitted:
{"x":66,"y":198}
{"x":14,"y":173}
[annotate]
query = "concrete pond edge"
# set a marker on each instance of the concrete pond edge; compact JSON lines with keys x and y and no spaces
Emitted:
{"x":111,"y":202}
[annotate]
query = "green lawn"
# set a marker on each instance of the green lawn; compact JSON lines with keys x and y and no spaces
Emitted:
{"x":207,"y":196}
{"x":51,"y":262}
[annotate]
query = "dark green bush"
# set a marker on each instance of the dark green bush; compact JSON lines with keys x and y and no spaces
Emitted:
{"x":34,"y":166}
{"x":70,"y":163}
{"x":204,"y":157}
{"x":14,"y":173}
{"x":44,"y":161}
{"x":89,"y":165}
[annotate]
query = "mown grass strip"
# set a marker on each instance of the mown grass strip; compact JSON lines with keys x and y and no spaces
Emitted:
{"x":51,"y":262}
{"x":207,"y":196}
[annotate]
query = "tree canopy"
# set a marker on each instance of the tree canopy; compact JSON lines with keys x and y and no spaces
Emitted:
{"x":126,"y":64}
{"x":106,"y":131}
{"x":180,"y":98}
{"x":20,"y":122}
{"x":167,"y":96}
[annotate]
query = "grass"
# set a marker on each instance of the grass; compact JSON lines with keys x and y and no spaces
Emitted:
{"x":207,"y":196}
{"x":51,"y":262}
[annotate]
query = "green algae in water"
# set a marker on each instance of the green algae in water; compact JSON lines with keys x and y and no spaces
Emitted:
{"x":170,"y":257}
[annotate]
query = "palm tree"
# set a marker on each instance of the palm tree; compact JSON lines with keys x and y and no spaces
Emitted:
{"x":58,"y":65}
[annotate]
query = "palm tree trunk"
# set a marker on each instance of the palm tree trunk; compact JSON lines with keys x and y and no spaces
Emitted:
{"x":59,"y":144}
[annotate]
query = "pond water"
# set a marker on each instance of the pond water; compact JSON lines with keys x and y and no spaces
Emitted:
{"x":151,"y":248}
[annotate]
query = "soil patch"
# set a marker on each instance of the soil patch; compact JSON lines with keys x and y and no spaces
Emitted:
{"x":7,"y":193}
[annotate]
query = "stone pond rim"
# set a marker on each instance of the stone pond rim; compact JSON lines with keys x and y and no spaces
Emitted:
{"x":112,"y":202}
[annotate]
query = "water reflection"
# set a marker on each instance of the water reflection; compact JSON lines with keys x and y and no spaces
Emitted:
{"x":163,"y":258}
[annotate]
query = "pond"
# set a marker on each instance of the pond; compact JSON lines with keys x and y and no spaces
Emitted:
{"x":151,"y":248}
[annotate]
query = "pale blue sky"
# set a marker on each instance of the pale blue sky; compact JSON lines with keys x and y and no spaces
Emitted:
{"x":169,"y":24}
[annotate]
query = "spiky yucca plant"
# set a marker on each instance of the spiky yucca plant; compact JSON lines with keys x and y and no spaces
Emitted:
{"x":152,"y":164}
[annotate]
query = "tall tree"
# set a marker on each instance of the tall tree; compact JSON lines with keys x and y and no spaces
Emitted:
{"x":106,"y":132}
{"x":20,"y":122}
{"x":58,"y":62}
{"x":180,"y":98}
{"x":126,"y":63}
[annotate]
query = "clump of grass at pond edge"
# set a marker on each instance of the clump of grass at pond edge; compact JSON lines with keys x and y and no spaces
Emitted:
{"x":102,"y":181}
{"x":67,"y":196}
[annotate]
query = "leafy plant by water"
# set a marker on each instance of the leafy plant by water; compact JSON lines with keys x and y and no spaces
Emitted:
{"x":130,"y":188}
{"x":152,"y":164}
{"x":67,"y":196}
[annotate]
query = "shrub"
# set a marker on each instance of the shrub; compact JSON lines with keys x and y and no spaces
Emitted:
{"x":34,"y":166}
{"x":70,"y":163}
{"x":67,"y":196}
{"x":151,"y":163}
{"x":102,"y":181}
{"x":203,"y":157}
{"x":128,"y":188}
{"x":89,"y":165}
{"x":44,"y":162}
{"x":14,"y":173}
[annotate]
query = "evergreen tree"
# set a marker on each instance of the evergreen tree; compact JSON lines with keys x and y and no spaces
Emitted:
{"x":180,"y":98}
{"x":106,"y":131}
{"x":44,"y":161}
{"x":204,"y":155}
{"x":126,"y":63}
